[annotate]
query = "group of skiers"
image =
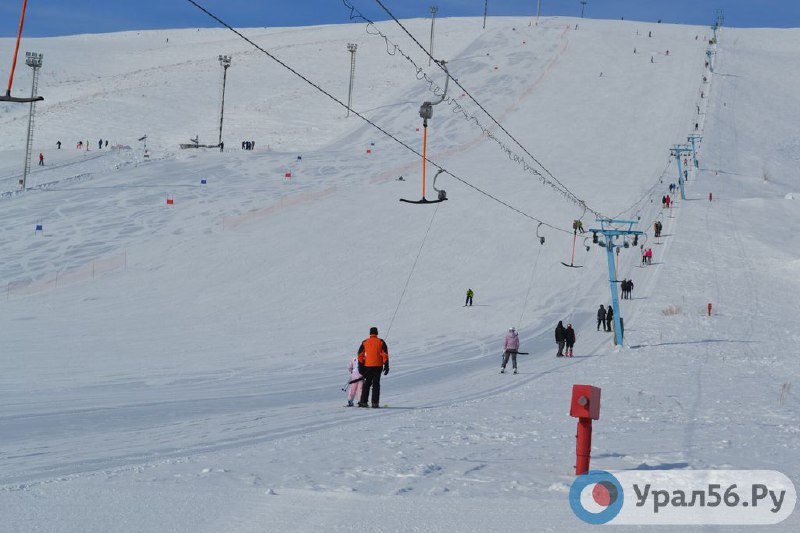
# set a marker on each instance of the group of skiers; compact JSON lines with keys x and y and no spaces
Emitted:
{"x":647,"y":256}
{"x":605,"y":317}
{"x":80,"y":145}
{"x":248,"y":145}
{"x":565,"y":338}
{"x":657,"y":227}
{"x":666,"y":201}
{"x":627,"y":286}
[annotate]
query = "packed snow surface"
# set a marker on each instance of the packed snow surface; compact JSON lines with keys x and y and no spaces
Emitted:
{"x":178,"y":366}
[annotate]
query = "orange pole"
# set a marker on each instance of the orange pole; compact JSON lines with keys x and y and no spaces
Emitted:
{"x":424,"y":155}
{"x":16,"y":50}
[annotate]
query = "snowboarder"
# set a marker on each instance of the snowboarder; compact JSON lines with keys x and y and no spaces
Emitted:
{"x":601,"y":317}
{"x":569,"y":339}
{"x":41,"y":159}
{"x":468,"y":301}
{"x":561,"y":337}
{"x":355,"y":388}
{"x":609,"y":317}
{"x":373,"y":356}
{"x":510,"y":347}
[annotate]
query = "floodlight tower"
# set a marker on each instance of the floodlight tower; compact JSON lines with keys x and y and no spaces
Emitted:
{"x":33,"y":60}
{"x":485,"y":10}
{"x":225,"y":62}
{"x":434,"y":9}
{"x":351,"y":47}
{"x":583,"y":6}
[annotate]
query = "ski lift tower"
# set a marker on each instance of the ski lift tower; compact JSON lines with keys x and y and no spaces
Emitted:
{"x":610,"y":243}
{"x":695,"y":139}
{"x":678,"y":150}
{"x":583,"y":6}
{"x":434,"y":10}
{"x":225,"y":62}
{"x":485,"y":11}
{"x":33,"y":60}
{"x":710,"y":53}
{"x":352,"y":49}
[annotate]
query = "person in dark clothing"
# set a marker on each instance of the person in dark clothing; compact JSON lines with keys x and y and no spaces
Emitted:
{"x":561,"y":337}
{"x":222,"y":146}
{"x":569,"y":339}
{"x":623,"y":286}
{"x":630,"y":288}
{"x":373,"y":357}
{"x":59,"y":145}
{"x":470,"y":294}
{"x":609,"y":318}
{"x":601,"y":317}
{"x":100,"y":145}
{"x":106,"y":141}
{"x":41,"y":159}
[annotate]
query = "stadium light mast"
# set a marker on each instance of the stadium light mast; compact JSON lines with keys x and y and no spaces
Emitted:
{"x":434,"y":9}
{"x":225,"y":62}
{"x":33,"y":60}
{"x":351,"y":47}
{"x":583,"y":6}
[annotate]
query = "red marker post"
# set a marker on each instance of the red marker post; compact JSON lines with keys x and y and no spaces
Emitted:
{"x":709,"y":309}
{"x":585,"y":406}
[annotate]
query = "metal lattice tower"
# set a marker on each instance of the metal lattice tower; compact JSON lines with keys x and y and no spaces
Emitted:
{"x":351,"y":47}
{"x":434,"y":9}
{"x":33,"y":60}
{"x":677,"y":151}
{"x":225,"y":61}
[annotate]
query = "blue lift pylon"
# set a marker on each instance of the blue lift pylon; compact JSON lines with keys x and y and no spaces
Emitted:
{"x":678,"y":150}
{"x":611,"y":235}
{"x":695,"y":139}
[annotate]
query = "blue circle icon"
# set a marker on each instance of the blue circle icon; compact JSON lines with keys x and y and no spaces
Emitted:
{"x":606,"y":492}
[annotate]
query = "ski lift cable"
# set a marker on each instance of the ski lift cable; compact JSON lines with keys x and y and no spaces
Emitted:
{"x":368,"y":121}
{"x":411,"y":272}
{"x":393,"y":49}
{"x":563,"y":187}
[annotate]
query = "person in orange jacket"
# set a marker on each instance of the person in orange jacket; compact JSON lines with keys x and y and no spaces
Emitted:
{"x":373,"y":357}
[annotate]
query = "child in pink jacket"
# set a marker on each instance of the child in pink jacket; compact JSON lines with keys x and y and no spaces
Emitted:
{"x":355,"y":388}
{"x":511,"y":345}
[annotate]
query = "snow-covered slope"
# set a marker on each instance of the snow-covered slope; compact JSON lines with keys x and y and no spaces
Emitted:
{"x":178,"y":367}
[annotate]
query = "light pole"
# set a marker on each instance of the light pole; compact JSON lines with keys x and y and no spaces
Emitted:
{"x":434,"y":9}
{"x":351,"y":47}
{"x":33,"y":60}
{"x":225,"y":61}
{"x":583,"y":6}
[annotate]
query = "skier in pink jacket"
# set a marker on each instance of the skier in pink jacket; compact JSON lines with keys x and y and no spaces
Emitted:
{"x":354,"y":391}
{"x":510,"y":346}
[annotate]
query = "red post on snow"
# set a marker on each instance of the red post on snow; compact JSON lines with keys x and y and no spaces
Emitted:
{"x":585,"y":406}
{"x":709,"y":308}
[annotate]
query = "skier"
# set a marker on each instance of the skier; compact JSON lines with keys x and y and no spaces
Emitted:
{"x":601,"y":317}
{"x":373,"y":356}
{"x":222,"y":146}
{"x":623,"y":285}
{"x":106,"y":141}
{"x":100,"y":144}
{"x":41,"y":159}
{"x":569,"y":338}
{"x":468,"y":301}
{"x":630,"y":288}
{"x":577,"y":225}
{"x":511,"y":345}
{"x":609,"y":317}
{"x":58,"y":144}
{"x":561,"y":337}
{"x":355,"y":388}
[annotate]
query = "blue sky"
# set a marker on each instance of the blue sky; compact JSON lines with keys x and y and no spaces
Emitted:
{"x":65,"y":17}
